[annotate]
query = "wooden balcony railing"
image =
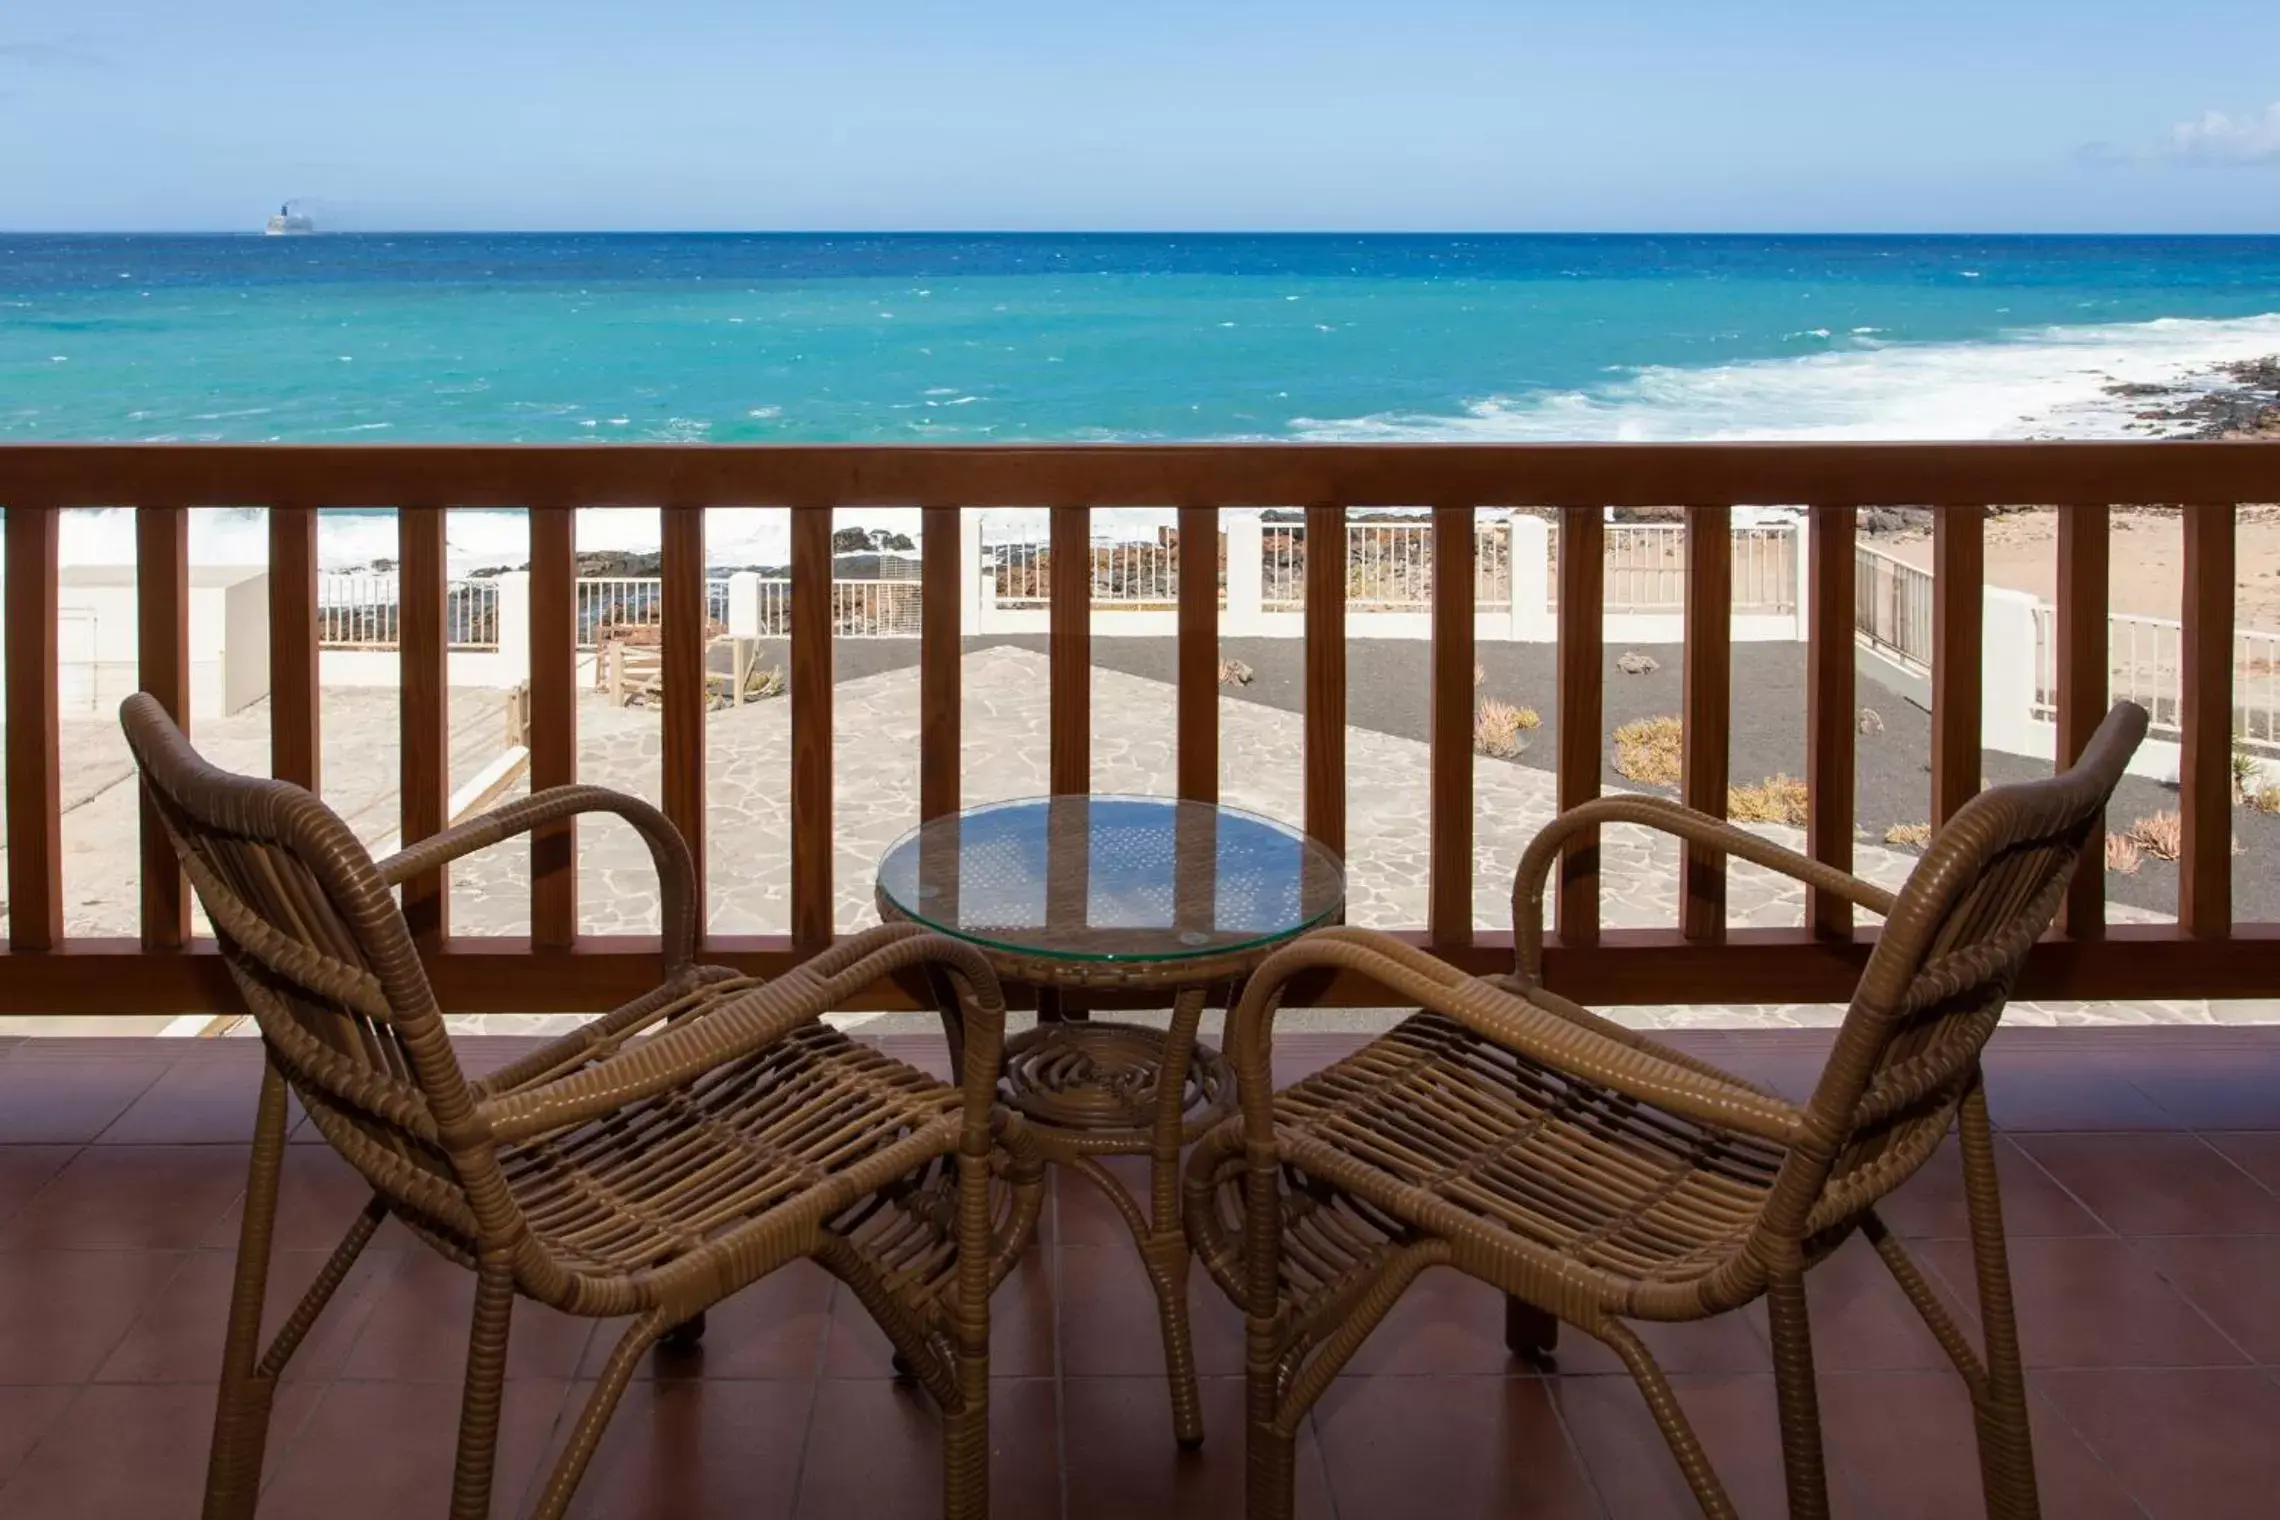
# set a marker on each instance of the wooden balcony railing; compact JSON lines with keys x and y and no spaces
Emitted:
{"x":1697,"y":959}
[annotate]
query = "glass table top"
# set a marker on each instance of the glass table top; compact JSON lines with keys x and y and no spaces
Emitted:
{"x":1110,"y":878}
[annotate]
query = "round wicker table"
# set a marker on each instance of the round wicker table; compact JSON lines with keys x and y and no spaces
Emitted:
{"x":1090,"y":894}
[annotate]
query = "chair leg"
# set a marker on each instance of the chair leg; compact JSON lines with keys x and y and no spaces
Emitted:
{"x":1802,"y":1458}
{"x":486,"y":1382}
{"x":2006,"y":1446}
{"x":1166,"y":1251}
{"x":685,"y":1336}
{"x":1271,"y":1492}
{"x":1529,"y":1333}
{"x":594,"y":1418}
{"x":1670,"y":1419}
{"x":241,"y":1408}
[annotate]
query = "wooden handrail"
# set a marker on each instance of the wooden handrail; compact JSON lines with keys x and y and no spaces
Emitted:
{"x":1696,"y":959}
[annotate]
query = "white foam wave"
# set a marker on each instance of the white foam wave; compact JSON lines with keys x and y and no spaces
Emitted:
{"x":2050,"y":382}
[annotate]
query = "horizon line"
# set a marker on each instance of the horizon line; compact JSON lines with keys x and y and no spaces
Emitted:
{"x":1120,"y":232}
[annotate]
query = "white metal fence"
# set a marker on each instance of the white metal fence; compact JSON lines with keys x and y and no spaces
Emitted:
{"x":1645,"y":568}
{"x":2145,"y":658}
{"x":1892,"y":606}
{"x":1389,"y":565}
{"x":358,"y":611}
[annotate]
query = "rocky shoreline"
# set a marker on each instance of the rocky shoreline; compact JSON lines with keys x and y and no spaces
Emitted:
{"x":2237,"y":400}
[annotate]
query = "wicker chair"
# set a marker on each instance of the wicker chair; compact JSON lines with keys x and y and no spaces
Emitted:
{"x":605,"y":1175}
{"x":1596,"y":1176}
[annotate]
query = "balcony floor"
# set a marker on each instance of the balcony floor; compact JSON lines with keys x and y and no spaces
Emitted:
{"x":2143,"y":1198}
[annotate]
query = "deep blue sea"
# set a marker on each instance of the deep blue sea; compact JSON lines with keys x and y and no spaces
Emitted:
{"x":958,"y":338}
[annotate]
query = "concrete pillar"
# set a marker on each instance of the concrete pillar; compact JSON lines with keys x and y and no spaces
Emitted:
{"x":1804,"y":558}
{"x":1532,"y":579}
{"x":2007,"y":673}
{"x":513,"y":627}
{"x":744,"y":611}
{"x":1246,"y":576}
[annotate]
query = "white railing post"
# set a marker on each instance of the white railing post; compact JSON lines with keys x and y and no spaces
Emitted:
{"x":1801,"y":568}
{"x":2007,"y":673}
{"x":744,"y":620}
{"x":1531,"y":568}
{"x":510,"y":625}
{"x":971,"y":571}
{"x":1246,"y":549}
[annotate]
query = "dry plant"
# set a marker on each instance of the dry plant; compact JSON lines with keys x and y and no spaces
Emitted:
{"x":767,"y":683}
{"x":1234,"y":673}
{"x":1777,"y":799}
{"x":1915,"y":834}
{"x":2244,"y":770}
{"x":2123,"y":857}
{"x":1648,"y":750}
{"x":2267,"y":799}
{"x":1498,"y":726}
{"x":2161,"y":835}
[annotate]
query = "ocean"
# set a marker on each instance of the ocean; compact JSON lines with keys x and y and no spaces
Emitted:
{"x":973,"y":339}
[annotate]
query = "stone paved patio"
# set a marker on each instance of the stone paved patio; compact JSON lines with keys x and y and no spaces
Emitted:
{"x":1005,"y":756}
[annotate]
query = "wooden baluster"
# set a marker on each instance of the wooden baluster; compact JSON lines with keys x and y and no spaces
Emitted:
{"x":1582,"y":656}
{"x":1448,"y":912}
{"x":35,"y":772}
{"x":1708,"y":708}
{"x":681,"y":666}
{"x":1069,"y":615}
{"x":2084,"y":667}
{"x":941,"y":657}
{"x":2204,"y":866}
{"x":424,"y":726}
{"x":1199,"y":654}
{"x":811,"y":696}
{"x":295,"y":753}
{"x":1326,"y":675}
{"x":162,"y":629}
{"x":1831,"y":718}
{"x":553,"y":720}
{"x":1959,"y":573}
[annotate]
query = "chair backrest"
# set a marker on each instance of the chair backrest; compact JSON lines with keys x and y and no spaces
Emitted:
{"x":1987,"y":888}
{"x":315,"y":942}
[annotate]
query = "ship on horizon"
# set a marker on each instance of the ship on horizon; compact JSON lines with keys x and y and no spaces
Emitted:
{"x":289,"y":223}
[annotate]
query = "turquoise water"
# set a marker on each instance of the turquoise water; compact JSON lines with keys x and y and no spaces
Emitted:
{"x":947,"y":338}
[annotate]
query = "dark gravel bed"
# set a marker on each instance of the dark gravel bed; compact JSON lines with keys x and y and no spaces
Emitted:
{"x":1388,"y":691}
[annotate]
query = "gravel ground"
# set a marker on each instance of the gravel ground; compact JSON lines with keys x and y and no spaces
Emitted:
{"x":1388,"y":691}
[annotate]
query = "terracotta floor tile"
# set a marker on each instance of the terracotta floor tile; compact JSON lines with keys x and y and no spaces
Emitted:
{"x":1726,"y":1343}
{"x":2190,"y":1445}
{"x":69,"y":1102}
{"x":2215,"y":1095}
{"x":2256,"y":1152}
{"x":318,"y":1198}
{"x":208,"y":1101}
{"x":1021,"y":1328}
{"x":1631,"y":1465}
{"x":154,"y":1197}
{"x":2157,"y":1184}
{"x":133,"y":1449}
{"x":24,"y":1171}
{"x":178,"y":1336}
{"x":1906,"y":1445}
{"x":875,"y":1449}
{"x":691,"y":1451}
{"x":2089,"y":1303}
{"x":1450,"y":1447}
{"x":1446,"y":1324}
{"x":1931,"y":1204}
{"x":2042,"y":1094}
{"x":417,"y":1328}
{"x":2235,"y":1280}
{"x":1085,"y":1216}
{"x":383,"y":1451}
{"x":64,"y":1311}
{"x":1109,"y":1326}
{"x":1122,"y":1461}
{"x":25,"y":1415}
{"x":773,"y":1329}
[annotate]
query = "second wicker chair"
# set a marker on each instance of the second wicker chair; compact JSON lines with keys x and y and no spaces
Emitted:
{"x":1599,"y":1178}
{"x":646,"y":1166}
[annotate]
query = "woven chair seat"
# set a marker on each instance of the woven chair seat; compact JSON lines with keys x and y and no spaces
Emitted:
{"x":663,"y":1177}
{"x":1432,"y":1122}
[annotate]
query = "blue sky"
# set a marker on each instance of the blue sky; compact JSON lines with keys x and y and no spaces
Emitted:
{"x":2028,"y":115}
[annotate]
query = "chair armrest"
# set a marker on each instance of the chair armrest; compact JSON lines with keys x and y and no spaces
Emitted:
{"x":1638,"y":1070}
{"x":1530,"y":880}
{"x":758,"y":1017}
{"x":676,"y":874}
